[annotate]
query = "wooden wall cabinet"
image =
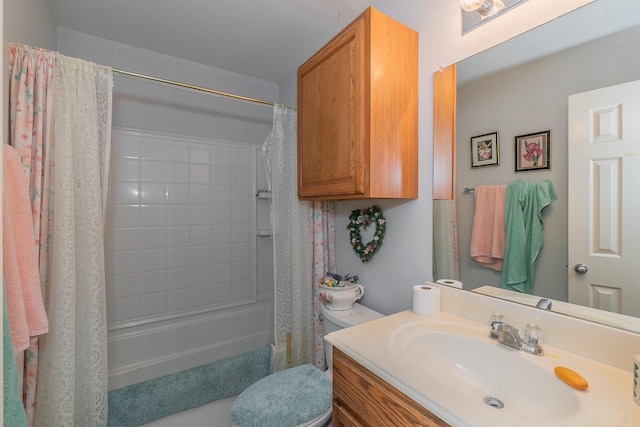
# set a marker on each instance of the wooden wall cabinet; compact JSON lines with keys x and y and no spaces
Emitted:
{"x":362,"y":399}
{"x":358,"y":113}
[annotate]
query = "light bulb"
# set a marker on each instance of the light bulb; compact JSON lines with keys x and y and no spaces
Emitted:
{"x":471,"y":5}
{"x":483,"y":7}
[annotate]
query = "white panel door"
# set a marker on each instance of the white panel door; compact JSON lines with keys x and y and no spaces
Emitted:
{"x":604,"y":198}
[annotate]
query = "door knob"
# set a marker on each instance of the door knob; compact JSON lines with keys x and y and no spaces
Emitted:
{"x":580,"y":268}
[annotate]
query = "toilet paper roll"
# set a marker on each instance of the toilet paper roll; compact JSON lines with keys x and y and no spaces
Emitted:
{"x":636,"y":381}
{"x":426,"y":300}
{"x":450,"y":282}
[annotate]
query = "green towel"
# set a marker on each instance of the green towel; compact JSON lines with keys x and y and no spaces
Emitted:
{"x":14,"y":414}
{"x":523,"y":233}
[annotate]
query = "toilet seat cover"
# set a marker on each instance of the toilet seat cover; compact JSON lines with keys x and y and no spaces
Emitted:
{"x":286,"y":398}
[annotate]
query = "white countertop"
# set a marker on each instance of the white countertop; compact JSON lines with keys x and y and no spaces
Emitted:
{"x":375,"y":346}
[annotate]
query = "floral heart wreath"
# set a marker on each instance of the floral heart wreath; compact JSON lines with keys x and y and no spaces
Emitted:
{"x":364,"y":218}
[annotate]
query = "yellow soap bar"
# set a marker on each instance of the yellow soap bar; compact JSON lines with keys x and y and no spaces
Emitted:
{"x":571,"y":377}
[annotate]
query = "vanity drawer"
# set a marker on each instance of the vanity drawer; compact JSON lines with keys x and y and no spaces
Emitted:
{"x":362,"y":399}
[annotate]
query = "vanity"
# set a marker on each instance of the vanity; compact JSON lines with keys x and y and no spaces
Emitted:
{"x":407,"y":370}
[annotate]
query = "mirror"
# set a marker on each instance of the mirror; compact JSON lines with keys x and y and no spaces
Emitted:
{"x":522,"y":87}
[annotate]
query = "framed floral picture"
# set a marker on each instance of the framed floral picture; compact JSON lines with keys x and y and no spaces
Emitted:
{"x":532,"y":151}
{"x":485,"y":150}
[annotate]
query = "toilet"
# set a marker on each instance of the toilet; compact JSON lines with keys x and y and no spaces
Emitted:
{"x":300,"y":396}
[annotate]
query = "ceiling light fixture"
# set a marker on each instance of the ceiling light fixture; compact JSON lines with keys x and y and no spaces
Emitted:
{"x":484,"y":8}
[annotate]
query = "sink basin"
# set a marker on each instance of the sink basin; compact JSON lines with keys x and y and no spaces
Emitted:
{"x":484,"y":373}
{"x":478,"y":376}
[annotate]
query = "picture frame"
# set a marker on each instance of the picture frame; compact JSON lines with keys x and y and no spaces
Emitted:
{"x":532,"y":151}
{"x":485,"y":150}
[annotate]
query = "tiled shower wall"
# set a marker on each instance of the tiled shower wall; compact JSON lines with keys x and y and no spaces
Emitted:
{"x":181,"y":239}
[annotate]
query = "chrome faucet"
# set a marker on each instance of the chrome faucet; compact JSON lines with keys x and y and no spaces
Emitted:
{"x":507,"y":335}
{"x":544,"y":304}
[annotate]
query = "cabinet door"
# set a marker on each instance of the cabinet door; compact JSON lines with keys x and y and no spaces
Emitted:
{"x":331,"y":117}
{"x":342,"y":418}
{"x":361,"y":398}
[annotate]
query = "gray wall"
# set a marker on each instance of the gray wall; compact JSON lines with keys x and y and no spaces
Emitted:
{"x":527,"y":99}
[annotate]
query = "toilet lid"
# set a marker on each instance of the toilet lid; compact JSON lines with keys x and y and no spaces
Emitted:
{"x":357,"y":315}
{"x":286,"y":398}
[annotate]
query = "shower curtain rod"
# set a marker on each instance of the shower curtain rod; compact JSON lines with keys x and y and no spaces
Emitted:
{"x":189,"y":86}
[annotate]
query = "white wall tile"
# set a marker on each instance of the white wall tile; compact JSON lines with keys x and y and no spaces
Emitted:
{"x":177,"y":278}
{"x":125,"y":239}
{"x":152,"y":259}
{"x":200,"y":235}
{"x":241,"y":214}
{"x":177,"y":236}
{"x":200,"y":255}
{"x":153,"y":193}
{"x":177,"y":300}
{"x":221,"y":253}
{"x":240,"y":233}
{"x":153,"y":237}
{"x":177,"y":257}
{"x":177,"y":172}
{"x":241,"y":176}
{"x":242,"y":195}
{"x":177,"y":215}
{"x":125,"y":262}
{"x":125,"y":146}
{"x":241,"y":270}
{"x":181,"y":226}
{"x":126,"y":169}
{"x":222,"y":273}
{"x":177,"y":194}
{"x":221,"y":194}
{"x":177,"y":151}
{"x":125,"y":192}
{"x":153,"y":149}
{"x":125,"y":215}
{"x":153,"y":281}
{"x":221,"y":214}
{"x":200,"y":275}
{"x":125,"y":285}
{"x":200,"y":194}
{"x":221,"y":155}
{"x":221,"y":174}
{"x":152,"y":170}
{"x":200,"y":215}
{"x":241,"y":252}
{"x":200,"y":296}
{"x":241,"y":289}
{"x":198,"y":153}
{"x":153,"y":304}
{"x":222,"y":292}
{"x":199,"y":174}
{"x":123,"y":309}
{"x":152,"y":216}
{"x":221,"y":233}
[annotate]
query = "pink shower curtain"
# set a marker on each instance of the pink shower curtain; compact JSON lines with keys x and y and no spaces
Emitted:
{"x":324,"y":259}
{"x":31,"y":72}
{"x":65,"y":370}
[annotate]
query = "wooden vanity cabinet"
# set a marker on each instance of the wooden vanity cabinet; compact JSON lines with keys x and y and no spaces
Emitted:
{"x":362,"y":399}
{"x":358,"y":113}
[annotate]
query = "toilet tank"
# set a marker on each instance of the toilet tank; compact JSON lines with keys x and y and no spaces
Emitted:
{"x":333,"y":320}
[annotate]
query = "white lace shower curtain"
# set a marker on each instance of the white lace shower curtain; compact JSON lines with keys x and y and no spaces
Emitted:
{"x":67,"y":160}
{"x":302,"y":233}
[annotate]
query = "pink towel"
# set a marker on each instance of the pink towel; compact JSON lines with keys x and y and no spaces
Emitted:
{"x":487,"y":235}
{"x":27,"y":316}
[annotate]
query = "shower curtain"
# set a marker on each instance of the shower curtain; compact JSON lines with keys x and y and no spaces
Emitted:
{"x":303,"y":247}
{"x":60,"y":113}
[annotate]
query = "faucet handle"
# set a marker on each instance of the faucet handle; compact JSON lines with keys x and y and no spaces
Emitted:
{"x":497,"y":317}
{"x":532,"y":334}
{"x":496,"y":321}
